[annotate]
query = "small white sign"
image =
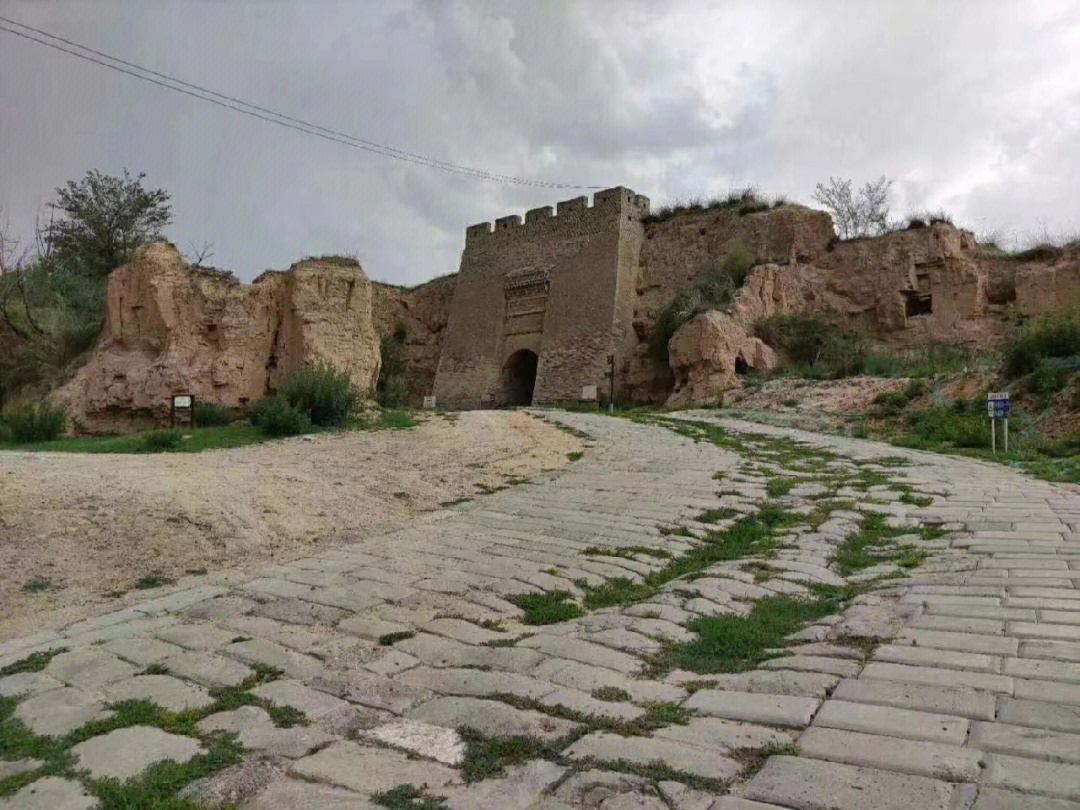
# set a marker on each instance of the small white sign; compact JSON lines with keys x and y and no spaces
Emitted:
{"x":588,"y":393}
{"x":429,"y":403}
{"x":183,"y":401}
{"x":998,"y":397}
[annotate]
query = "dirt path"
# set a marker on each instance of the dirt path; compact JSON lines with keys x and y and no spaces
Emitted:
{"x":91,"y":525}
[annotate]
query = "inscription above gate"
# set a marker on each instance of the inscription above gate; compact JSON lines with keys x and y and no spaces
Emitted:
{"x":526,"y":294}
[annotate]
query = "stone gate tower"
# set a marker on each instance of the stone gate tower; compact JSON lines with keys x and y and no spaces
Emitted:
{"x":539,"y":305}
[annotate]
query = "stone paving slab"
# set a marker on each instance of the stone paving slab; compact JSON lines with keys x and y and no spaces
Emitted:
{"x":127,"y":752}
{"x":51,"y":793}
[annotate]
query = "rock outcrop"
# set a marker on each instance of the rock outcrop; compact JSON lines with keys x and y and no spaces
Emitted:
{"x":416,"y":317}
{"x":708,"y":353}
{"x":173,"y":328}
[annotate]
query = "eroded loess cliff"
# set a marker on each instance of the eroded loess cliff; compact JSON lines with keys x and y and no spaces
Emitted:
{"x":903,"y":289}
{"x":416,"y":317}
{"x":173,"y":328}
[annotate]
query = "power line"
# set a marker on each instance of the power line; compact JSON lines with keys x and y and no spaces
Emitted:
{"x":263,"y":113}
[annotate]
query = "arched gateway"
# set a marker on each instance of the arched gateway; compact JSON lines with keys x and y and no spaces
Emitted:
{"x":519,"y":378}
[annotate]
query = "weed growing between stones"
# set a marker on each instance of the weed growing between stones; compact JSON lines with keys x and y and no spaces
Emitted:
{"x":612,"y":694}
{"x":739,"y":643}
{"x":750,"y":535}
{"x":393,"y":638}
{"x":626,"y":552}
{"x":715,"y":515}
{"x":407,"y":797}
{"x":753,"y":759}
{"x":874,"y":542}
{"x":489,"y":756}
{"x":35,"y":662}
{"x":779,"y":487}
{"x":574,"y":455}
{"x":546,"y":608}
{"x":159,"y":784}
{"x":657,"y":771}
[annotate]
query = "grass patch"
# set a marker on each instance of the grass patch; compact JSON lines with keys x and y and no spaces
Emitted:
{"x":750,"y":535}
{"x":393,"y":638}
{"x":659,"y":715}
{"x":779,"y":487}
{"x":612,"y":694}
{"x":911,"y":557}
{"x":626,"y":552}
{"x":873,"y":543}
{"x":546,"y":608}
{"x":488,"y":756}
{"x":35,"y":662}
{"x":407,"y":797}
{"x":575,"y":455}
{"x":157,"y":787}
{"x":739,"y":643}
{"x":397,"y":420}
{"x":212,"y":438}
{"x":741,"y":201}
{"x":715,"y":515}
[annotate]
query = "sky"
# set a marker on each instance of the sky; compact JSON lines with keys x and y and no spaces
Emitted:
{"x":972,"y":108}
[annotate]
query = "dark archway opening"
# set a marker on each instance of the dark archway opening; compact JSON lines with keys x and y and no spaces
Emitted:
{"x":520,"y":374}
{"x":741,"y":366}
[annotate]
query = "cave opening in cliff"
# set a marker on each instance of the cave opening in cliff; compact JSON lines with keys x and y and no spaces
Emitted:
{"x":917,"y":303}
{"x":741,"y":366}
{"x":519,"y":376}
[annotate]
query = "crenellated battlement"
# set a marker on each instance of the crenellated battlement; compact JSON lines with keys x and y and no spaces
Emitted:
{"x":608,"y":207}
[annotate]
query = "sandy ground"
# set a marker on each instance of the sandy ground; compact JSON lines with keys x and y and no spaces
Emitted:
{"x":92,"y":525}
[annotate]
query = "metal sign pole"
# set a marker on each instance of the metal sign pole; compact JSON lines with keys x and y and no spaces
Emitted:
{"x":1006,"y":435}
{"x":993,"y":436}
{"x":611,"y":394}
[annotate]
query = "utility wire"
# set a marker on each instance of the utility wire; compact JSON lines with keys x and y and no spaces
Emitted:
{"x":262,"y":113}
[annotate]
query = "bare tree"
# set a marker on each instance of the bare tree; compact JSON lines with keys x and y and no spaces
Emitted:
{"x":200,"y":255}
{"x":856,"y":213}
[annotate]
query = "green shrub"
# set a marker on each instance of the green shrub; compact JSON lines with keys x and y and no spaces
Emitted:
{"x":160,"y":441}
{"x":1049,"y":376}
{"x":713,"y":287}
{"x":961,"y":424}
{"x":819,"y":349}
{"x":274,"y":416}
{"x":37,"y":422}
{"x":1050,"y":336}
{"x":209,"y":414}
{"x":394,"y":388}
{"x":324,"y":393}
{"x":937,"y":358}
{"x":893,"y":402}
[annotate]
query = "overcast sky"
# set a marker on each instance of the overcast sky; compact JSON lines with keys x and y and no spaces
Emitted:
{"x":971,"y":107}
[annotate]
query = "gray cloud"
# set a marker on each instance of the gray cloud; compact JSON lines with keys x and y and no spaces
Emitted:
{"x":974,"y":107}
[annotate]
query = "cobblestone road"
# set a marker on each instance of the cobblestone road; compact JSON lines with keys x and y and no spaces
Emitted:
{"x":399,"y":671}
